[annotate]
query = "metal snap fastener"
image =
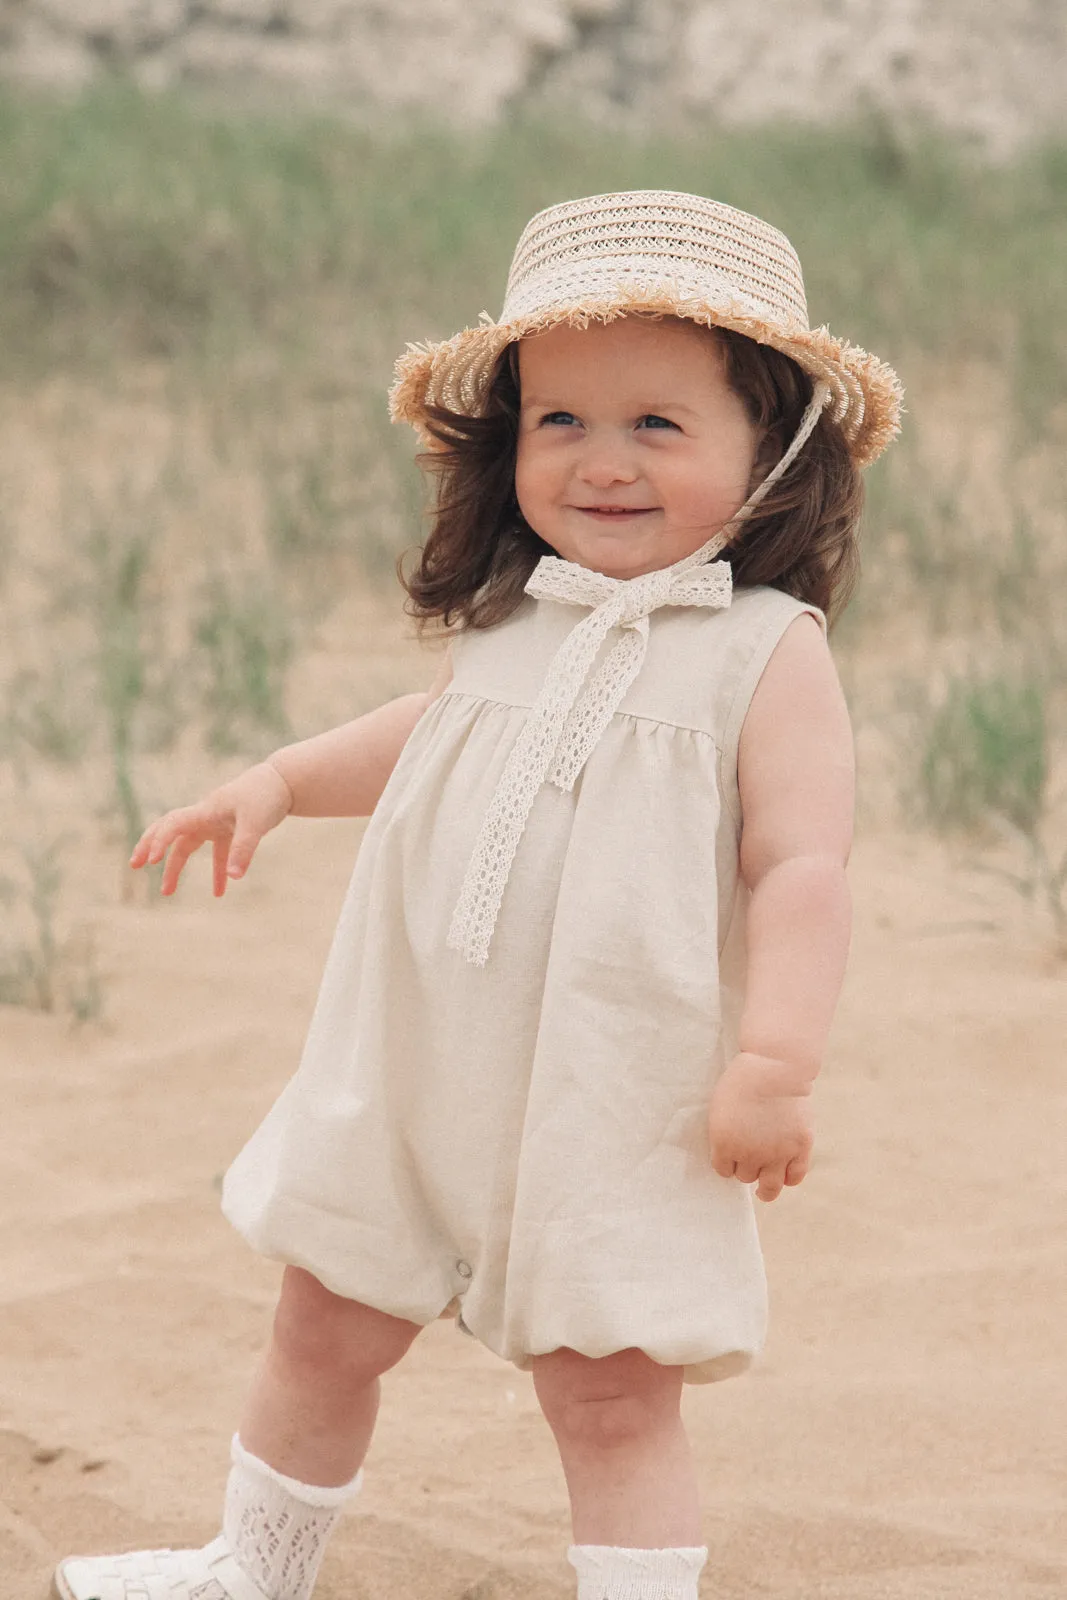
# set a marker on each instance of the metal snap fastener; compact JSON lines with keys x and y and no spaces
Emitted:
{"x":464,"y":1269}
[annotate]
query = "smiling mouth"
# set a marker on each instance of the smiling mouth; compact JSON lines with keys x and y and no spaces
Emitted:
{"x":615,"y":511}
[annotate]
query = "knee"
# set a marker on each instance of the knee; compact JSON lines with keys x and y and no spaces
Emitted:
{"x":608,"y":1403}
{"x":326,"y":1336}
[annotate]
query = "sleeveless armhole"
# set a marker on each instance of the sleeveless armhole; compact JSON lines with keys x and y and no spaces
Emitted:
{"x":448,"y":660}
{"x":781,"y":613}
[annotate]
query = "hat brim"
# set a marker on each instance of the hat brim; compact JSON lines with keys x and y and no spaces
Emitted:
{"x":456,"y":373}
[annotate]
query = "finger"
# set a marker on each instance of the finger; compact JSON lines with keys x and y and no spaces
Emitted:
{"x":179,"y":855}
{"x":165,"y":831}
{"x":219,"y":852}
{"x":139,"y":853}
{"x":242,"y":849}
{"x":771,"y":1180}
{"x":797,"y":1170}
{"x":722,"y":1164}
{"x":147,"y":850}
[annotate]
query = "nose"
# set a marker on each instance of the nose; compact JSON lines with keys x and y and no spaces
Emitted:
{"x":606,"y":458}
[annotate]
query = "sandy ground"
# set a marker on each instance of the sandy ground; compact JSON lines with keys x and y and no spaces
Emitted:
{"x":904,"y":1435}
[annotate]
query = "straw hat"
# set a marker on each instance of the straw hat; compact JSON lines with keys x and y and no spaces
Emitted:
{"x":654,"y":251}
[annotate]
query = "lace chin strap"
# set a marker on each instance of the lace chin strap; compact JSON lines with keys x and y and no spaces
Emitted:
{"x":564,"y":725}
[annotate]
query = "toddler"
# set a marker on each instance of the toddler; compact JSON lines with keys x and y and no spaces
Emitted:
{"x":584,"y":974}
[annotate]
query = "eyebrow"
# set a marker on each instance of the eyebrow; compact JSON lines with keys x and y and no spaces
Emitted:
{"x":536,"y":402}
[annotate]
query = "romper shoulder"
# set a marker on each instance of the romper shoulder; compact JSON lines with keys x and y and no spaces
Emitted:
{"x":760,"y":616}
{"x":443,"y":675}
{"x":758,"y":619}
{"x":703,"y":663}
{"x":761,"y":610}
{"x":507,"y":662}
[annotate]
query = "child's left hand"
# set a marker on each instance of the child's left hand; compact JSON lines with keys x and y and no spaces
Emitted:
{"x":759,"y":1123}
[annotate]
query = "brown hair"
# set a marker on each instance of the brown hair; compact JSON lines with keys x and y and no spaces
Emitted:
{"x":481,"y":550}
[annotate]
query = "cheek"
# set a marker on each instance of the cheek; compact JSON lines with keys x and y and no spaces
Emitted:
{"x":718,"y":482}
{"x":696,"y":489}
{"x":533,"y":476}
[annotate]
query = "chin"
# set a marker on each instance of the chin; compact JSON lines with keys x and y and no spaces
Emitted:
{"x":606,"y":556}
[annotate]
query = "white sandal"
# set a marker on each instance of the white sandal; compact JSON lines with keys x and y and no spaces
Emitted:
{"x":207,"y":1574}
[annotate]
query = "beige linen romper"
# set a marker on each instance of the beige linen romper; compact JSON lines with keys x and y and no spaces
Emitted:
{"x":524,"y":1143}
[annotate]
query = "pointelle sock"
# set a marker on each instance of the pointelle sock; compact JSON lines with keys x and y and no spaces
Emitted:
{"x":277,"y":1527}
{"x":615,"y":1572}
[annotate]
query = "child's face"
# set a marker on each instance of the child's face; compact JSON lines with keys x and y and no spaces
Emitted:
{"x":633,"y":450}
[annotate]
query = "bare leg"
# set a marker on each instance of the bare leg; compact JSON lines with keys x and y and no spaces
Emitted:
{"x":624,"y":1450}
{"x":309,"y":1417}
{"x":314,"y":1400}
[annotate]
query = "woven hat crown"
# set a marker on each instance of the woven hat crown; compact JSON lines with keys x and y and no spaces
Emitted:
{"x":649,"y":239}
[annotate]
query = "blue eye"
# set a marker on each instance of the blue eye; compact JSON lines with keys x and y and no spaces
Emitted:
{"x":658,"y":422}
{"x":558,"y":417}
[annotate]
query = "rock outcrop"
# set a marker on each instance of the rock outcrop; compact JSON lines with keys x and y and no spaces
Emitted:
{"x":994,"y":70}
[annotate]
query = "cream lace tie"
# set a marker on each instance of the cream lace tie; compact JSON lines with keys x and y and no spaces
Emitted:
{"x":562,"y":729}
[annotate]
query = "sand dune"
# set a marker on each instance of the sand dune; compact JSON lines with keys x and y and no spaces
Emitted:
{"x":904,"y":1435}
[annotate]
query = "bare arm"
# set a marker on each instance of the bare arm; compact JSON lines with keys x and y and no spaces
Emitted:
{"x":795,"y":773}
{"x":341,"y":773}
{"x":337,"y":774}
{"x":797,"y":787}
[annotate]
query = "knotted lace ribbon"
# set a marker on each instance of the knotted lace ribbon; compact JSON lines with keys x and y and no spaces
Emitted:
{"x":564,"y":725}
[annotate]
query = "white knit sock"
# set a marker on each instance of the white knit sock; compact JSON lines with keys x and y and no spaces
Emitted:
{"x":277,"y":1527}
{"x":613,"y":1572}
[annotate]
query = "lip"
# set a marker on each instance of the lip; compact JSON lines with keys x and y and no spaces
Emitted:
{"x":614,"y":513}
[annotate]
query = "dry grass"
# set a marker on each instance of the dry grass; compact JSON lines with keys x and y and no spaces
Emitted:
{"x":199,"y":315}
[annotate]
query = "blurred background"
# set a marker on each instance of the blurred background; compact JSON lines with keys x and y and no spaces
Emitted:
{"x":219,"y":223}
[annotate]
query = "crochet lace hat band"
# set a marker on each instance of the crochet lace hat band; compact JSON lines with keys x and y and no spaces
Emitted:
{"x":660,"y":253}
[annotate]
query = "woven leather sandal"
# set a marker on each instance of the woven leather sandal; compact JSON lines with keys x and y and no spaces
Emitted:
{"x":207,"y":1574}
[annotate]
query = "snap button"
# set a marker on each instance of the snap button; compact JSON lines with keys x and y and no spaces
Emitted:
{"x":464,"y":1269}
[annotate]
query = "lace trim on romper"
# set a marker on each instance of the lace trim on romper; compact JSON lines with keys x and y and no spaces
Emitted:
{"x":563,"y":729}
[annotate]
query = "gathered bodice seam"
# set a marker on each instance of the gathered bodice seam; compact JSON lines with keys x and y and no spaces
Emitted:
{"x":630,"y":716}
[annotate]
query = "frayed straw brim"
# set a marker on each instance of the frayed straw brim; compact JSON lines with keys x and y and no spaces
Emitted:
{"x":455,"y":373}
